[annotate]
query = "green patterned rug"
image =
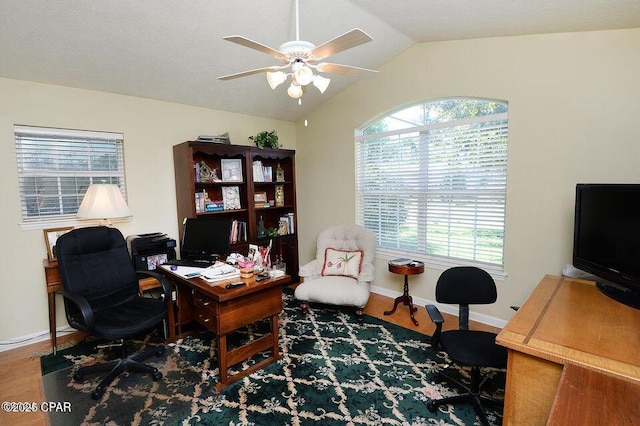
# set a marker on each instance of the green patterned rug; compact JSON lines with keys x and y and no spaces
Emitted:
{"x":332,"y":372}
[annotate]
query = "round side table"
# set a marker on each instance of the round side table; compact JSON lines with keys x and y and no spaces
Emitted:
{"x":413,"y":268}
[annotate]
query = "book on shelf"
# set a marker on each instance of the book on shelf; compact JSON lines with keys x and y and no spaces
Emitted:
{"x":402,"y":261}
{"x":214,"y":206}
{"x":262,"y":173}
{"x":285,"y":224}
{"x":238,"y":231}
{"x":199,"y":202}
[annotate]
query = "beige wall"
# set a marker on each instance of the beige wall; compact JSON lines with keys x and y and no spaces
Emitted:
{"x":573,"y":117}
{"x":150,"y":129}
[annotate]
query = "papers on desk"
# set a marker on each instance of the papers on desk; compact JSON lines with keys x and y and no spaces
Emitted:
{"x":219,"y":272}
{"x":185,"y":271}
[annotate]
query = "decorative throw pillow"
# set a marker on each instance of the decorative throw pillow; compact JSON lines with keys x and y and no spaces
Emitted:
{"x":342,"y":262}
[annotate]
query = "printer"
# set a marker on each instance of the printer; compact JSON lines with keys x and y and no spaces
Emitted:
{"x":148,"y":251}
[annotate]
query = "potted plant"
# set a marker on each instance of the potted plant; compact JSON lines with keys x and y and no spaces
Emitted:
{"x":266,"y":139}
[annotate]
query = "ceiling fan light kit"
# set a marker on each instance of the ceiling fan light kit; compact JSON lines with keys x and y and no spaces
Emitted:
{"x":300,"y":56}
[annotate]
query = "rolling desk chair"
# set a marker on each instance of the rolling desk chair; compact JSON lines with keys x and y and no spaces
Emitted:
{"x":101,"y":297}
{"x":472,"y":348}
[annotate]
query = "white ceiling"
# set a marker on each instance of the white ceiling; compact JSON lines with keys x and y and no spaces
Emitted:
{"x":172,"y":50}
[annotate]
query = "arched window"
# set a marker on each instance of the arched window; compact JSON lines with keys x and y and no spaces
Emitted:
{"x":432,"y":182}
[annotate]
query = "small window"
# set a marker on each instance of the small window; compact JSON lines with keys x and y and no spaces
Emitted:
{"x":56,"y":166}
{"x":432,"y":180}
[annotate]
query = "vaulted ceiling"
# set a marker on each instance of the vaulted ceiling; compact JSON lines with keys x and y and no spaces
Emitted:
{"x":172,"y":50}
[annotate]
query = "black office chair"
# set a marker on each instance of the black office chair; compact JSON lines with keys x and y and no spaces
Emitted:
{"x":101,"y":297}
{"x":471,"y":348}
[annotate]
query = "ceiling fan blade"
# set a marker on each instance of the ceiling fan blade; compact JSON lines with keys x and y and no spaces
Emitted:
{"x":350,"y":39}
{"x":250,"y":72}
{"x":346,"y":70}
{"x":243,"y":41}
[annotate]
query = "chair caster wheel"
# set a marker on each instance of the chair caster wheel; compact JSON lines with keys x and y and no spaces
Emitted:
{"x":78,"y":376}
{"x":156,"y":376}
{"x":431,"y":407}
{"x":160,"y":351}
{"x":97,"y":394}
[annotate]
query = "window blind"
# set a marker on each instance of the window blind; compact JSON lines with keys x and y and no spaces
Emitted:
{"x":56,"y":166}
{"x":436,"y":190}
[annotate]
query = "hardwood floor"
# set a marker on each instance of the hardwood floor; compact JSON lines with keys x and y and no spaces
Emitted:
{"x":20,"y":378}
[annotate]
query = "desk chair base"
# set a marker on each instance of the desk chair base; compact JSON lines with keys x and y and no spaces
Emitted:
{"x":472,"y":394}
{"x":119,"y":366}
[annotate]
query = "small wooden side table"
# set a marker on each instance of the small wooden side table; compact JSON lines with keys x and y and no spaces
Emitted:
{"x":413,"y":268}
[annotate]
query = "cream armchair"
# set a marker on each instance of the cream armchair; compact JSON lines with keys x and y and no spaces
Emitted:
{"x":342,"y":272}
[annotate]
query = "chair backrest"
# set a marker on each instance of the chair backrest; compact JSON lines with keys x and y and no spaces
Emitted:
{"x":94,"y":262}
{"x":464,"y":286}
{"x":347,"y":237}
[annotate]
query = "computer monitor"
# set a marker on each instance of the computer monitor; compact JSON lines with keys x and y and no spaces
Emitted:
{"x":607,"y":238}
{"x":205,"y":239}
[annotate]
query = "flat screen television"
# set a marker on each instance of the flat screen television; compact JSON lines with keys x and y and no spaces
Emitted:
{"x":205,"y":239}
{"x":606,"y":238}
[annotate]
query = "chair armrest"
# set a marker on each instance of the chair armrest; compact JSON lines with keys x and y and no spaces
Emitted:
{"x":434,"y":314}
{"x":309,"y":270}
{"x":166,"y":287}
{"x":367,"y":273}
{"x":438,"y":320}
{"x":85,"y":309}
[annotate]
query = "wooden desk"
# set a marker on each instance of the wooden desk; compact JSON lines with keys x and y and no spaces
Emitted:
{"x":224,"y":310}
{"x":54,"y":283}
{"x":565,"y":322}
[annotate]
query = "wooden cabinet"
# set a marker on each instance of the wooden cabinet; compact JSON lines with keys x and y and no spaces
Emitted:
{"x":265,"y":188}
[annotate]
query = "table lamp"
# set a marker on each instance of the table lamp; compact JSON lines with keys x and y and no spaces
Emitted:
{"x":105,"y":202}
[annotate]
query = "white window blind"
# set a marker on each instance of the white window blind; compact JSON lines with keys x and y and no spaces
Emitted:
{"x":437,"y":190}
{"x":56,"y":166}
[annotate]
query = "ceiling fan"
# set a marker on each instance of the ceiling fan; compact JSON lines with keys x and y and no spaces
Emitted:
{"x":301,"y":57}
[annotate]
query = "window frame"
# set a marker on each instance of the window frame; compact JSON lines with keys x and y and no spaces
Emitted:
{"x":497,"y":270}
{"x":55,"y":148}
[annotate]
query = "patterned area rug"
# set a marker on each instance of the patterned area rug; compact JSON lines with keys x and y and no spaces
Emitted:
{"x":332,"y":372}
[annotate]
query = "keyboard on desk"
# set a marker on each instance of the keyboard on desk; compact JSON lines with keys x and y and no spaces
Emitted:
{"x":192,"y":263}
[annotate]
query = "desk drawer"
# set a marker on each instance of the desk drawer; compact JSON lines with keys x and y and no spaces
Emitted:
{"x":205,"y":318}
{"x":204,"y":302}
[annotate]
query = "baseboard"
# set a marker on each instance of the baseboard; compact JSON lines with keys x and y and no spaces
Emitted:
{"x":449,"y":309}
{"x":32,"y":338}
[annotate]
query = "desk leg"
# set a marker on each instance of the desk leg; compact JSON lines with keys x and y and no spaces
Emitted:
{"x":52,"y":321}
{"x":407,"y":300}
{"x":221,"y":341}
{"x":274,"y":334}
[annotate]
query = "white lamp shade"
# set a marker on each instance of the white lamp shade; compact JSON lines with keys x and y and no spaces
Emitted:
{"x":275,"y":79}
{"x":103,"y":201}
{"x":303,"y":75}
{"x":321,"y":83}
{"x":294,"y":91}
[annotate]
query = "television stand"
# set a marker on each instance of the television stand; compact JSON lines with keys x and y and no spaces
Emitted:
{"x":620,"y":294}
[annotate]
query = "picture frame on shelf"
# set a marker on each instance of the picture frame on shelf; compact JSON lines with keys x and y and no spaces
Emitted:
{"x":51,"y":236}
{"x":231,"y":169}
{"x":231,"y":197}
{"x":260,"y":197}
